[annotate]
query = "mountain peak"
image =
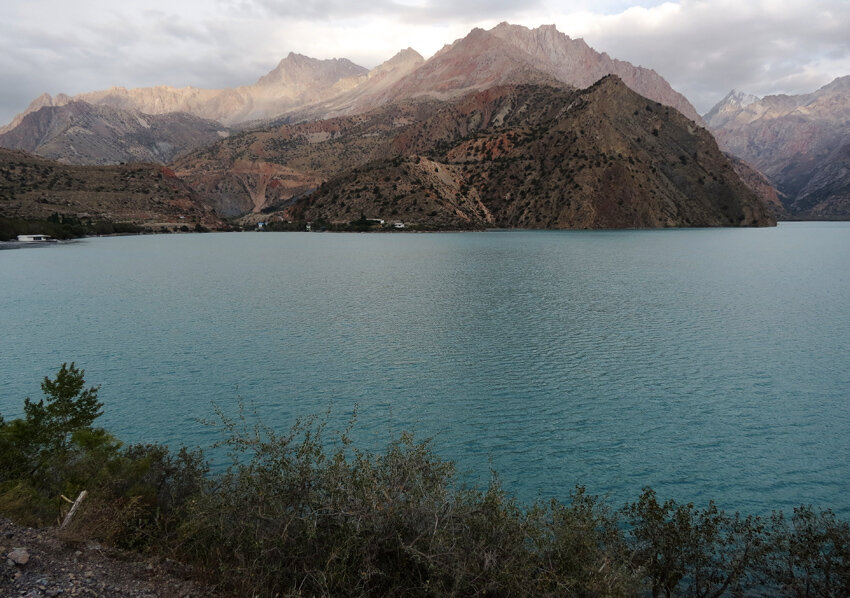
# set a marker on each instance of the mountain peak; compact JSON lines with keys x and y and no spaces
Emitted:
{"x":44,"y":99}
{"x":573,"y":61}
{"x":841,"y":84}
{"x":405,"y":56}
{"x":610,"y":80}
{"x":731,"y":104}
{"x":740,"y":98}
{"x":299,"y":70}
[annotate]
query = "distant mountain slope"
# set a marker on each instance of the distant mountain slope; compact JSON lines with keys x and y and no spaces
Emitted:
{"x":761,"y":186}
{"x":81,"y":133}
{"x":573,"y":62}
{"x":513,"y":156}
{"x":307,"y":89}
{"x":297,"y":80}
{"x":33,"y":187}
{"x":800,"y":142}
{"x":506,"y":54}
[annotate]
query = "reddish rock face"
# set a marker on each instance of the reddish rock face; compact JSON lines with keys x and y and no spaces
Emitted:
{"x":511,"y":156}
{"x":801,"y":143}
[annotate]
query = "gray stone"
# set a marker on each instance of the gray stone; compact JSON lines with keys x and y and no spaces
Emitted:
{"x":19,"y":556}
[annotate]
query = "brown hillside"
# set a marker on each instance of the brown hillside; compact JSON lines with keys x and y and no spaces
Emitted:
{"x":540,"y":157}
{"x":33,"y":187}
{"x":515,"y":156}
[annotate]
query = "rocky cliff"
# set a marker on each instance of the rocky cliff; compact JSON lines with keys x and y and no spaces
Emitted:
{"x":82,"y":133}
{"x":802,"y":144}
{"x":512,"y":156}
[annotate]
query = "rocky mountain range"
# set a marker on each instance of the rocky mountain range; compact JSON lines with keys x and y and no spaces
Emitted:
{"x":511,"y":127}
{"x":507,"y":54}
{"x":302,"y":88}
{"x":296,"y":81}
{"x":530,"y":156}
{"x":801,"y":143}
{"x":82,"y":133}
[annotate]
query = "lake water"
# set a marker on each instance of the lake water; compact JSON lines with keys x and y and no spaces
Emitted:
{"x":707,"y":363}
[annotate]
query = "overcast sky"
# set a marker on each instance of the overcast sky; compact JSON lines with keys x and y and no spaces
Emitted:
{"x":703,"y":48}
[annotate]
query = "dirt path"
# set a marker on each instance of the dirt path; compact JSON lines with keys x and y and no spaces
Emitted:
{"x":49,"y":566}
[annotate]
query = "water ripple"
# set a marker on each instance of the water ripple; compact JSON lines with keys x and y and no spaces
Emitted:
{"x":706,"y":363}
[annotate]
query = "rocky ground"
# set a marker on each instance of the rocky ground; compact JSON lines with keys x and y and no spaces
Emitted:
{"x":36,"y":563}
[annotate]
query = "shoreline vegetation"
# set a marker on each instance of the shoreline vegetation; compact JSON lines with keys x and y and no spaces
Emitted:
{"x":306,"y":512}
{"x":67,"y":227}
{"x":64,"y":228}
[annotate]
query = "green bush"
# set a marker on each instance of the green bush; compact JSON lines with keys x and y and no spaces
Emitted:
{"x":704,"y":550}
{"x":807,"y":554}
{"x":55,"y":451}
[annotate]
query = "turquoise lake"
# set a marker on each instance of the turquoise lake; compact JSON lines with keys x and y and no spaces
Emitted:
{"x":707,"y":363}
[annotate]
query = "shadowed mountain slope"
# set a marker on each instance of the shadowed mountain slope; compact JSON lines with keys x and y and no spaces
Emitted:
{"x":512,"y":156}
{"x":82,"y":133}
{"x":802,"y":144}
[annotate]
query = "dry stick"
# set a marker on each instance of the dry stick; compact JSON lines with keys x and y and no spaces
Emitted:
{"x":73,"y":510}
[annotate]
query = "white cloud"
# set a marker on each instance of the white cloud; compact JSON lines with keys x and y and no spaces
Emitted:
{"x":703,"y":47}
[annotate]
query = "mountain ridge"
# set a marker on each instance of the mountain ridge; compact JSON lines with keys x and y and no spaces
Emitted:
{"x":799,"y":141}
{"x":81,"y":133}
{"x":530,"y":156}
{"x":302,"y":84}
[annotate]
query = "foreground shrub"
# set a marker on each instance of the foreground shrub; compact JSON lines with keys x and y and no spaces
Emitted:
{"x":808,"y":554}
{"x":54,"y":452}
{"x":292,"y":516}
{"x":706,"y":551}
{"x":583,"y":551}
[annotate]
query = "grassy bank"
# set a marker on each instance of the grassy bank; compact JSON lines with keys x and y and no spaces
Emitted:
{"x":307,"y":513}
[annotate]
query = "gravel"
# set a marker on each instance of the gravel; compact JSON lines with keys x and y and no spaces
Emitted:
{"x":37,"y":563}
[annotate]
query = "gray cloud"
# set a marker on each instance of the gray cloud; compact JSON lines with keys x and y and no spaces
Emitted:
{"x":406,"y":12}
{"x":707,"y":48}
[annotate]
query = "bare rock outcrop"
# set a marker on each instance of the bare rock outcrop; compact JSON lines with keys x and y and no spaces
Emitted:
{"x":81,"y":133}
{"x":799,"y":142}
